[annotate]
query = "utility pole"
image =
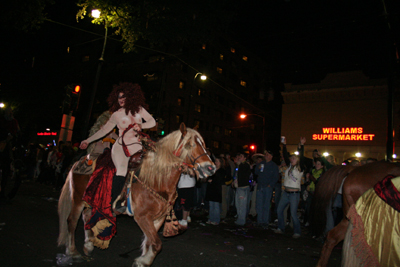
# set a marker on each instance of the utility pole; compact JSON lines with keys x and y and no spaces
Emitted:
{"x":393,"y":72}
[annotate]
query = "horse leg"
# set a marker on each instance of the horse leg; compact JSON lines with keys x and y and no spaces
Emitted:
{"x":158,"y":223}
{"x":72,"y":223}
{"x":157,"y":226}
{"x":88,"y":246}
{"x":151,"y":244}
{"x":334,"y":237}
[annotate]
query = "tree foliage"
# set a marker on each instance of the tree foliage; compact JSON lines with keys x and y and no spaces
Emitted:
{"x":161,"y":21}
{"x":23,"y":15}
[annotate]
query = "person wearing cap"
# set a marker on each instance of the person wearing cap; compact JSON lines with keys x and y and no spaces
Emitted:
{"x":268,"y":176}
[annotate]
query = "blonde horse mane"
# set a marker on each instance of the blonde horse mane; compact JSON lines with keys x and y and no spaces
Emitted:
{"x":157,"y":166}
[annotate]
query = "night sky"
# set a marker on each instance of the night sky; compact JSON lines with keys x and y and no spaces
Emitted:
{"x":304,"y":40}
{"x":301,"y":41}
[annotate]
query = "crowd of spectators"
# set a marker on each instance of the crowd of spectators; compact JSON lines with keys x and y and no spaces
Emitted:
{"x":255,"y":190}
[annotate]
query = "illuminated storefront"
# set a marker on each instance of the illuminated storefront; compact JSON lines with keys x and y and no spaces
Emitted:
{"x":344,"y":114}
{"x":343,"y":134}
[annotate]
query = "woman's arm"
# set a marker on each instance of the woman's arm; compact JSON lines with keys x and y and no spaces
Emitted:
{"x":111,"y":123}
{"x":150,"y":121}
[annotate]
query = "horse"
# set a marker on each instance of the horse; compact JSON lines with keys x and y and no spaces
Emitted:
{"x":372,"y":238}
{"x":151,"y":198}
{"x":357,"y":181}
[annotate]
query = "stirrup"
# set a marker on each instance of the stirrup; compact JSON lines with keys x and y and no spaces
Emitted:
{"x":117,"y":207}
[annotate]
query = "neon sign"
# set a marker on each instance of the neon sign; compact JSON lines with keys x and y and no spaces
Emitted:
{"x":47,"y":133}
{"x":343,"y":134}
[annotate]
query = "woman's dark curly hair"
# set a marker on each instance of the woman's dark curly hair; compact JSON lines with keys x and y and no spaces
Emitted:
{"x":134,"y":98}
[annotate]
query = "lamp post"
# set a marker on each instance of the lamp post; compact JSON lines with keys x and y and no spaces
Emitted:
{"x":203,"y":77}
{"x":243,"y":116}
{"x":96,"y":14}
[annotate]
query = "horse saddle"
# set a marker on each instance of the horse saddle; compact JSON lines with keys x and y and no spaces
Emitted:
{"x":135,"y":161}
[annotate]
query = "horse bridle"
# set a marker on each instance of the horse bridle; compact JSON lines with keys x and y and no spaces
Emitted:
{"x":191,"y":158}
{"x":193,"y":161}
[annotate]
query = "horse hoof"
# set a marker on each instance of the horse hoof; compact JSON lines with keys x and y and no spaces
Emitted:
{"x":88,"y":249}
{"x":87,"y":258}
{"x":77,"y":258}
{"x":138,"y":264}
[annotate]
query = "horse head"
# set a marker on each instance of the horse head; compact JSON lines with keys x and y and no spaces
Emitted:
{"x":191,"y":147}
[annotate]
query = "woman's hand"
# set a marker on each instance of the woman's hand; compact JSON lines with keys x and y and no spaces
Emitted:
{"x":84,"y":144}
{"x":303,"y":140}
{"x":137,"y":127}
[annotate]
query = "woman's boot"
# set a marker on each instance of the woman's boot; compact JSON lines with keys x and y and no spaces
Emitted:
{"x":117,"y":186}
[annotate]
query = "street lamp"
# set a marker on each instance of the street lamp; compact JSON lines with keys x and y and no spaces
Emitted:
{"x":244,"y":115}
{"x":95,"y":14}
{"x":202,"y":76}
{"x":2,"y":105}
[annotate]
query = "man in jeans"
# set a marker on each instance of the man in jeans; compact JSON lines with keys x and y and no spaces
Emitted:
{"x":268,"y":175}
{"x":242,"y":174}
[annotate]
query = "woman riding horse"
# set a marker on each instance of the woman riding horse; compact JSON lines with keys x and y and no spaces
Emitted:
{"x":153,"y":198}
{"x":128,"y":107}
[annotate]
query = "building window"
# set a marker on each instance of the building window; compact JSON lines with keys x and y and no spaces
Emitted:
{"x":85,"y":58}
{"x":216,"y":129}
{"x":199,"y":92}
{"x":219,"y":70}
{"x":227,"y":147}
{"x":180,"y":102}
{"x":244,"y":58}
{"x":152,"y":77}
{"x":178,"y":119}
{"x":197,"y":124}
{"x":243,"y":83}
{"x":221,"y":56}
{"x":216,"y":144}
{"x":181,"y":85}
{"x":204,"y":46}
{"x":198,"y":108}
{"x":233,"y":50}
{"x":228,"y":132}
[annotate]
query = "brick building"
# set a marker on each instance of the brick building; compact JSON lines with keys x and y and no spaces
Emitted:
{"x":344,"y":114}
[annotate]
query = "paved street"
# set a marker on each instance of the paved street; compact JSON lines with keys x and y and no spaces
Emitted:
{"x":29,"y":233}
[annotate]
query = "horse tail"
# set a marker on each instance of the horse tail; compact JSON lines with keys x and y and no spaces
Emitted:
{"x":64,"y":208}
{"x":349,"y":256}
{"x":325,"y":191}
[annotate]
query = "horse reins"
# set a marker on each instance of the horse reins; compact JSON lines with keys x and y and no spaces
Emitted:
{"x":124,"y":146}
{"x":194,"y":162}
